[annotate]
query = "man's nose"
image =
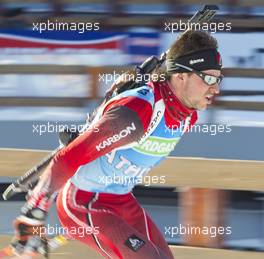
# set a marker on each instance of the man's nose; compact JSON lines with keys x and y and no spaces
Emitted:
{"x":215,"y":88}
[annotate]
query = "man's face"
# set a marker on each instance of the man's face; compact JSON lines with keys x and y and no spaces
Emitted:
{"x":196,"y":93}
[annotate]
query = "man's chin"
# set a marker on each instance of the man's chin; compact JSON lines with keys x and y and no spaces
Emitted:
{"x":201,"y":107}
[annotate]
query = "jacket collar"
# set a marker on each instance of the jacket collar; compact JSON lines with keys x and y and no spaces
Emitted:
{"x":175,"y":109}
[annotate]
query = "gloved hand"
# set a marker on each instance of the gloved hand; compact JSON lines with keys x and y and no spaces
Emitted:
{"x":30,"y":232}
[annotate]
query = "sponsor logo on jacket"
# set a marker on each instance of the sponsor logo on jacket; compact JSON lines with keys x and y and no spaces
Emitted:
{"x":122,"y":134}
{"x":157,"y":146}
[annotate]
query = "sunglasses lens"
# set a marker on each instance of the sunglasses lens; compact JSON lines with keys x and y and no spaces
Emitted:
{"x":211,"y":80}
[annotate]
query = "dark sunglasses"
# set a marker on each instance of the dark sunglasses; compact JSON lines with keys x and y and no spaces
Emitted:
{"x":208,"y":79}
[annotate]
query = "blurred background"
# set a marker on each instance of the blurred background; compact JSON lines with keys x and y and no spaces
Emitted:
{"x":56,"y":77}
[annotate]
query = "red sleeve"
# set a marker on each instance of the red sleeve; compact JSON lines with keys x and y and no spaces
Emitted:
{"x":142,"y":108}
{"x":118,"y":126}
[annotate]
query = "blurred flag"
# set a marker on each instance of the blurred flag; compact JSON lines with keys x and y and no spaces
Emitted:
{"x":53,"y":40}
{"x":136,"y":46}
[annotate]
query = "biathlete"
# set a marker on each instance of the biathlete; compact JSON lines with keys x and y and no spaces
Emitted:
{"x":132,"y":138}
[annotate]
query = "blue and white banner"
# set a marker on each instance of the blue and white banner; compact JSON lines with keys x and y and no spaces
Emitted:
{"x":133,"y":47}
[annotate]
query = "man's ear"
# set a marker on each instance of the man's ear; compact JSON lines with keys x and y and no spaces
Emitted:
{"x":179,"y":76}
